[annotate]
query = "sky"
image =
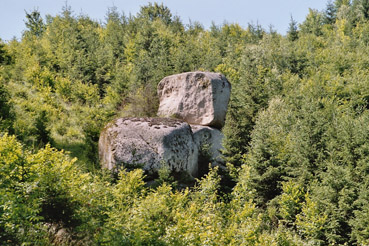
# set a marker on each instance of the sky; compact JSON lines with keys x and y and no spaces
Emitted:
{"x":264,"y":12}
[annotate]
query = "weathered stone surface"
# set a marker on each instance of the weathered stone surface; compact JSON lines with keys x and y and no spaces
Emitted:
{"x":209,"y":142}
{"x":199,"y":98}
{"x":150,"y":142}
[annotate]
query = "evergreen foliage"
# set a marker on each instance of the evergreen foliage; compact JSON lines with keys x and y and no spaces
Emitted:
{"x":35,"y":23}
{"x":292,"y":30}
{"x":330,"y":13}
{"x":296,"y":134}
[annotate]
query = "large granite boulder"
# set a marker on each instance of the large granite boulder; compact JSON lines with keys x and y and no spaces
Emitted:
{"x":150,"y":143}
{"x":199,"y":98}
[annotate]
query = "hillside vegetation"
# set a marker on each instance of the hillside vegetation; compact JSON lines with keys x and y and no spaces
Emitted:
{"x":296,"y":134}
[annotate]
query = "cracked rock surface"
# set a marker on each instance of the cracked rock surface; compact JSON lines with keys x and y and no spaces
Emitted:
{"x":149,"y":143}
{"x":199,"y":98}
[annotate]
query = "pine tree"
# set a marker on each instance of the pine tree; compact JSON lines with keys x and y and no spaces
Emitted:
{"x":339,"y":3}
{"x":292,"y":30}
{"x":313,"y":23}
{"x":330,"y":13}
{"x":156,"y":11}
{"x":35,"y":23}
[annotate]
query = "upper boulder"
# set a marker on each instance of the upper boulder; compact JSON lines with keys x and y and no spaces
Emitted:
{"x":199,"y":98}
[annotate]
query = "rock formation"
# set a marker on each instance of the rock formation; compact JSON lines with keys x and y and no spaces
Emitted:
{"x":196,"y":98}
{"x":209,"y":142}
{"x":149,"y":143}
{"x":199,"y":98}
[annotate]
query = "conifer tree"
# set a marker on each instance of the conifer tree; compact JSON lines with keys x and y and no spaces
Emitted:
{"x":35,"y":23}
{"x":156,"y":11}
{"x":339,"y":3}
{"x":292,"y":30}
{"x":330,"y":13}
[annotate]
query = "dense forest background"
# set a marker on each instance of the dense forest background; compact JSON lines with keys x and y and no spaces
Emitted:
{"x":296,"y":135}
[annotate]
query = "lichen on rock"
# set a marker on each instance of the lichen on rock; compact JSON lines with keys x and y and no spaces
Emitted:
{"x":196,"y":97}
{"x":148,"y":142}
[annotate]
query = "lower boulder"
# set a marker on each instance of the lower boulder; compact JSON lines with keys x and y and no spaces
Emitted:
{"x":209,"y":144}
{"x":149,"y":143}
